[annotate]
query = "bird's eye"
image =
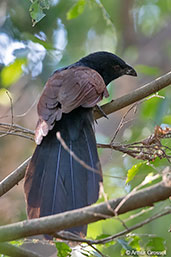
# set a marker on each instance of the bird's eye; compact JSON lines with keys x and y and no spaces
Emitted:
{"x":116,"y":67}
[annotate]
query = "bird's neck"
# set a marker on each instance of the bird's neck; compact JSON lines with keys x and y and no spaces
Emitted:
{"x":91,"y":65}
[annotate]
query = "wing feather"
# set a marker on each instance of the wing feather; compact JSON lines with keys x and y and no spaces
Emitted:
{"x":65,"y":91}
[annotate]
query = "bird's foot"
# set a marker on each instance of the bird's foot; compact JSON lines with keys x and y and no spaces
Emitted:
{"x":100,"y":110}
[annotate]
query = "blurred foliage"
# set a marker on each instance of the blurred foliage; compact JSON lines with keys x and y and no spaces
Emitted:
{"x":4,"y":97}
{"x":36,"y":10}
{"x":76,"y":9}
{"x":147,"y":70}
{"x":133,"y":171}
{"x":18,"y":242}
{"x":63,"y":249}
{"x":10,"y":74}
{"x":39,"y":36}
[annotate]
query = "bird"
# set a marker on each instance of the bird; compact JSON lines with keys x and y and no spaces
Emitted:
{"x":56,"y":182}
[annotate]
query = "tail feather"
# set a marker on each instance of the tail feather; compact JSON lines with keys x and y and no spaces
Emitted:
{"x":93,"y":177}
{"x":55,"y":182}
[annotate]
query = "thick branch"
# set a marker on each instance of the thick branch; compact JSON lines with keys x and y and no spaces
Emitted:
{"x":86,"y":215}
{"x":136,"y":95}
{"x":13,"y":178}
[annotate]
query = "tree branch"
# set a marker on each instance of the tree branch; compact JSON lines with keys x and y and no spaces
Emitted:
{"x":147,"y":149}
{"x":86,"y":215}
{"x":13,"y":178}
{"x":135,"y":96}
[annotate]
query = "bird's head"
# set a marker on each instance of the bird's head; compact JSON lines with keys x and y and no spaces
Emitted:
{"x":108,"y":65}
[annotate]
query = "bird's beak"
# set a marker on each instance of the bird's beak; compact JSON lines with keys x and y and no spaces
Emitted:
{"x":130,"y":71}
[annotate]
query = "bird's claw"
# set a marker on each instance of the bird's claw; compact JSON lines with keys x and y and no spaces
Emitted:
{"x":100,"y":110}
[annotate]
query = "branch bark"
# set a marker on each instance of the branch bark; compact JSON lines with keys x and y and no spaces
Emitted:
{"x":86,"y":215}
{"x":13,"y":178}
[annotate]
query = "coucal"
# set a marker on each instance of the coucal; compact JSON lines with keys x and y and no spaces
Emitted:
{"x":54,"y":181}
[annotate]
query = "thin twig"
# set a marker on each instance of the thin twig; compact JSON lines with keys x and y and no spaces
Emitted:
{"x":109,"y":206}
{"x":147,"y":149}
{"x":11,"y":107}
{"x":134,"y":106}
{"x":138,"y":214}
{"x":122,"y":122}
{"x":97,"y":250}
{"x":85,"y":165}
{"x":144,"y":222}
{"x":10,"y":133}
{"x":16,"y":126}
{"x":12,"y":115}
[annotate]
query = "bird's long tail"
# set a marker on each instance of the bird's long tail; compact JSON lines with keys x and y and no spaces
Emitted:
{"x":55,"y":182}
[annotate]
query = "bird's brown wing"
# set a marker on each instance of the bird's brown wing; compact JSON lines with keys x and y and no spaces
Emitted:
{"x":64,"y":91}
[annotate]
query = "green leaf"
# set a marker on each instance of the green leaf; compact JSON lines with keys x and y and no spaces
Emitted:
{"x":44,"y":4}
{"x":167,"y":119}
{"x":148,"y":70}
{"x":17,"y":243}
{"x":103,"y":236}
{"x":63,"y":249}
{"x":125,"y":246}
{"x":85,"y":254}
{"x":135,"y":242}
{"x":150,"y":108}
{"x":76,"y":9}
{"x":156,"y":243}
{"x":4,"y":97}
{"x":10,"y":74}
{"x":36,"y":10}
{"x":36,"y":13}
{"x":133,"y":171}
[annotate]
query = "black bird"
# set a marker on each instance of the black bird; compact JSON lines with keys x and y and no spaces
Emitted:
{"x":54,"y":181}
